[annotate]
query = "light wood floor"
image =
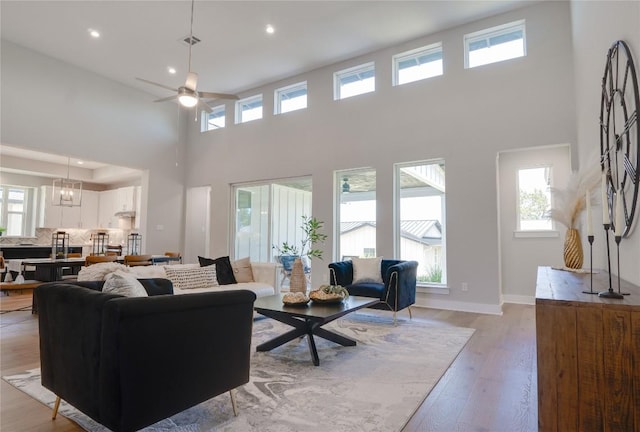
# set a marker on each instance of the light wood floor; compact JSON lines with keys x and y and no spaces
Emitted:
{"x":491,"y":386}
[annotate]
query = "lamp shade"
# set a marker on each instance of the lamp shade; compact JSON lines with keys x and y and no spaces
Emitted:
{"x":134,"y":244}
{"x":99,"y":242}
{"x":66,"y":193}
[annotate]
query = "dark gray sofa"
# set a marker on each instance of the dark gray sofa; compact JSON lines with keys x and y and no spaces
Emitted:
{"x":130,"y":362}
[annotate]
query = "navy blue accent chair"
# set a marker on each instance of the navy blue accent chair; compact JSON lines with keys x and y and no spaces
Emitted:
{"x":397,"y":292}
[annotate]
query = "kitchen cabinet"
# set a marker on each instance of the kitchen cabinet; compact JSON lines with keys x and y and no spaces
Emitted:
{"x":138,"y":203}
{"x":126,"y":198}
{"x":51,"y":216}
{"x":107,"y":208}
{"x":116,"y":200}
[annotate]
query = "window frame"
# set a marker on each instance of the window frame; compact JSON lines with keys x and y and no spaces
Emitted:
{"x":491,"y":32}
{"x":27,"y":226}
{"x":415,"y":54}
{"x":205,"y":118}
{"x":426,"y":287}
{"x":354,"y":70}
{"x":248,"y":100}
{"x":526,"y":233}
{"x":278,"y":93}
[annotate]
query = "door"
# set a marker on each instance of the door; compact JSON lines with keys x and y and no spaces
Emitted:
{"x":526,"y":244}
{"x":197,"y":218}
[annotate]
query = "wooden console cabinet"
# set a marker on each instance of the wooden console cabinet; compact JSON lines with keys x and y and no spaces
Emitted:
{"x":588,"y":350}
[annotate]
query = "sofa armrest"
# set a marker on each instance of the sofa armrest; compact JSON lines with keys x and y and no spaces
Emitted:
{"x":341,"y":273}
{"x":70,"y":328}
{"x":157,"y":345}
{"x":400,"y":284}
{"x":265,"y":273}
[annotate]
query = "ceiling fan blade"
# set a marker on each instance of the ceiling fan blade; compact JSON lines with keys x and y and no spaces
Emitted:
{"x":156,"y":84}
{"x":205,"y":106}
{"x":210,"y":95}
{"x":192,"y":81}
{"x":168,"y":98}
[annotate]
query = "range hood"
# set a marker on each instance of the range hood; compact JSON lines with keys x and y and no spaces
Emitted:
{"x":126,"y":214}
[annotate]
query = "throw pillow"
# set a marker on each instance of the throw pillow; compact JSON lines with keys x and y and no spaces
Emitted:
{"x":224,"y":271}
{"x":185,"y":278}
{"x":123,"y":283}
{"x":367,"y":270}
{"x":242,"y":270}
{"x":99,"y":271}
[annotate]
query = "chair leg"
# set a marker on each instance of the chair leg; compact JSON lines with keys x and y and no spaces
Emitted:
{"x":410,"y":316}
{"x":55,"y":408}
{"x":394,"y":318}
{"x":233,"y":403}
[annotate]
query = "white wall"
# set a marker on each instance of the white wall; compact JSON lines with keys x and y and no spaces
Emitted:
{"x":465,"y":117}
{"x":54,"y":107}
{"x":596,"y":26}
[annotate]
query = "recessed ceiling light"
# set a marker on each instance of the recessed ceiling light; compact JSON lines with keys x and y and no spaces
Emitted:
{"x":171,"y":70}
{"x":94,"y":33}
{"x":269,"y":29}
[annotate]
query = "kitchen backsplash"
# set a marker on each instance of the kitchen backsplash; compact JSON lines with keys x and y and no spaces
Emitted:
{"x":77,"y":237}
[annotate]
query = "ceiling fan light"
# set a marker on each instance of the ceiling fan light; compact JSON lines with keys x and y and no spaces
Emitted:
{"x":188,"y":101}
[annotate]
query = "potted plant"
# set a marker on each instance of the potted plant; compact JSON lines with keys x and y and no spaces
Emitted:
{"x":2,"y":229}
{"x":291,"y":257}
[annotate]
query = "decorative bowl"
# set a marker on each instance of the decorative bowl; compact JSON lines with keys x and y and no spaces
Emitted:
{"x":329,"y":294}
{"x":295,"y":299}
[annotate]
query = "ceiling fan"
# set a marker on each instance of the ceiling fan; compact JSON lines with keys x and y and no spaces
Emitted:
{"x":188,"y":95}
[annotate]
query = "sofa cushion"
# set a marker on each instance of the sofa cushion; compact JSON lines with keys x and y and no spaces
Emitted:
{"x":224,"y":271}
{"x":366,"y":289}
{"x":367,"y":270}
{"x":260,"y":289}
{"x":242,"y":270}
{"x":123,"y":283}
{"x":191,"y":277}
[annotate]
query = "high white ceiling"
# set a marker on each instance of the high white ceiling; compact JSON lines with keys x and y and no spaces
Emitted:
{"x":142,"y":38}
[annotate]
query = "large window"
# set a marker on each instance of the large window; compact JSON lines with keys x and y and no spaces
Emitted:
{"x":420,"y":227}
{"x":290,"y":98}
{"x":213,"y":120}
{"x":267,"y":214}
{"x":495,"y":44}
{"x":417,"y":64}
{"x":16,"y":204}
{"x":356,"y":227}
{"x":534,"y":199}
{"x":354,"y":81}
{"x":249,"y":109}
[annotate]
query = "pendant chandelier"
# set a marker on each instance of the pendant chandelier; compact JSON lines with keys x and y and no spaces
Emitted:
{"x":66,"y":192}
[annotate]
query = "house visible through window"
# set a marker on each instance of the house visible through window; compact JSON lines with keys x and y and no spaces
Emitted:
{"x":290,"y":98}
{"x":495,"y":44}
{"x":417,"y":64}
{"x":354,"y":81}
{"x":249,"y":109}
{"x":534,"y":199}
{"x":215,"y":119}
{"x":420,"y":227}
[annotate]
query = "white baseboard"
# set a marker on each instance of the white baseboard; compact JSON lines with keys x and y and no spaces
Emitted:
{"x":518,"y":299}
{"x":491,"y":309}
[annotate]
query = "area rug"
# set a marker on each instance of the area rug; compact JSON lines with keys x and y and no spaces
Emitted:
{"x":374,"y":386}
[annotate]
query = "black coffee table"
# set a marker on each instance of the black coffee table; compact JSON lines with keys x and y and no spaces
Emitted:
{"x":308,"y":320}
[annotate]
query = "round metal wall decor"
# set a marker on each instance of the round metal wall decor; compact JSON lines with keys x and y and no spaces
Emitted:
{"x":619,"y":137}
